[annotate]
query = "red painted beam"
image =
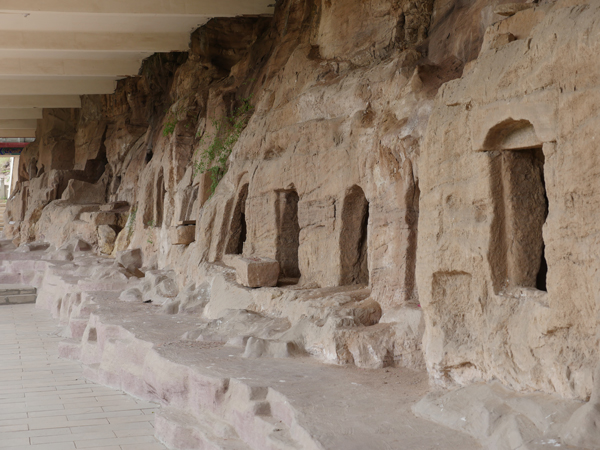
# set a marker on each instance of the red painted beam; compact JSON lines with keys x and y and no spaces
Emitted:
{"x":14,"y":144}
{"x":12,"y":148}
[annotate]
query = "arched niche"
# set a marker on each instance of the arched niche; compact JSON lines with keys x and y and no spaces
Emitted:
{"x":512,"y":134}
{"x":354,"y":267}
{"x":517,"y":249}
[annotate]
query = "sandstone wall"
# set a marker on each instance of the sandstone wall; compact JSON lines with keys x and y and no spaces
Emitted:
{"x":334,"y":110}
{"x":508,"y":185}
{"x":365,"y":162}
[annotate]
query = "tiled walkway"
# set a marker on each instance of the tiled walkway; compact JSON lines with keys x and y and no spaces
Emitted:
{"x":46,"y":404}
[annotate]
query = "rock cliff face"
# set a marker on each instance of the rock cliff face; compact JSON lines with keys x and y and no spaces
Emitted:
{"x":390,"y":155}
{"x":506,"y":248}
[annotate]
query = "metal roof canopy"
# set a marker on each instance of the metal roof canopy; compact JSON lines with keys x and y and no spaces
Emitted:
{"x":53,"y":51}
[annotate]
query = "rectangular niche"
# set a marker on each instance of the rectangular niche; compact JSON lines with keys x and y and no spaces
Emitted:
{"x":517,"y":253}
{"x":288,"y":234}
{"x":354,"y":238}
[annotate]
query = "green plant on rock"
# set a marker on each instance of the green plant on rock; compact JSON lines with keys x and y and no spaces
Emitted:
{"x":173,"y":115}
{"x":218,"y":146}
{"x":131,"y":222}
{"x":150,"y":225}
{"x":170,"y":125}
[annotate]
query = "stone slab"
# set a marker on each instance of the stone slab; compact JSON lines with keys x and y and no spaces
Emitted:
{"x":98,"y":218}
{"x":12,"y":294}
{"x":17,"y":299}
{"x":110,"y":207}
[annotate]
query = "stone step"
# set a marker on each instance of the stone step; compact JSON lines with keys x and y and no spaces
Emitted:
{"x":280,"y":437}
{"x":70,"y":349}
{"x":13,"y":294}
{"x":17,"y":299}
{"x":16,"y":289}
{"x":182,"y":431}
{"x":9,"y":278}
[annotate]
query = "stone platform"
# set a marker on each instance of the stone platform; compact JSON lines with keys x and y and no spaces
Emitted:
{"x":47,"y":404}
{"x":211,"y":395}
{"x":217,"y":391}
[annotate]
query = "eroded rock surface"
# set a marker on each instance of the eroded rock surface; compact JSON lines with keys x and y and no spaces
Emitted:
{"x":222,"y":383}
{"x":322,"y":179}
{"x":422,"y":175}
{"x":506,"y":258}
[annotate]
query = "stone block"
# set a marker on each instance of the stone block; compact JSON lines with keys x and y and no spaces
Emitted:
{"x":183,"y":234}
{"x":82,"y":192}
{"x":257,"y":348}
{"x":510,"y":9}
{"x":114,"y":206}
{"x":167,"y":288}
{"x":254,"y":271}
{"x":502,"y":39}
{"x":131,"y":260}
{"x":59,"y":255}
{"x":76,"y":245}
{"x":106,"y":239}
{"x":98,"y":218}
{"x":131,"y":295}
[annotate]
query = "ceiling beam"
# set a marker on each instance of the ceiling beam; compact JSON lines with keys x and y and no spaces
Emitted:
{"x":212,"y":8}
{"x":39,"y":101}
{"x":21,"y":113}
{"x":18,"y":124}
{"x":17,"y":133}
{"x":90,"y":42}
{"x":69,"y":67}
{"x":100,"y":23}
{"x":49,"y":86}
{"x":54,"y":51}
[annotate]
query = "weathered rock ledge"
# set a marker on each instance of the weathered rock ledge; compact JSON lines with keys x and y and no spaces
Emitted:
{"x":212,"y":395}
{"x":424,"y":175}
{"x":223,"y":386}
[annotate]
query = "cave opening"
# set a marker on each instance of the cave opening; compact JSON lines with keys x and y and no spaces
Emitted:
{"x":238,"y":227}
{"x":288,"y":235}
{"x":354,"y":238}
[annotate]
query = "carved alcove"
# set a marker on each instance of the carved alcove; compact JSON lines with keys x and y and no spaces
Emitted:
{"x":288,"y":234}
{"x":159,"y":197}
{"x":354,"y":268}
{"x":517,"y":248}
{"x":237,"y":227}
